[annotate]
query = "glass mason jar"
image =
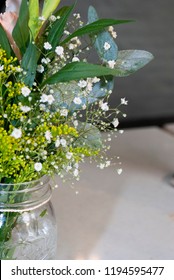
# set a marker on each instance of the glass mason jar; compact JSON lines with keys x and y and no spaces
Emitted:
{"x":27,"y":222}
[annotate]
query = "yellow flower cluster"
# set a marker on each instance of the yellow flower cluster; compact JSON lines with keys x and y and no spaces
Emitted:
{"x":8,"y":66}
{"x":13,"y":89}
{"x":11,"y":159}
{"x":13,"y":112}
{"x":30,"y":136}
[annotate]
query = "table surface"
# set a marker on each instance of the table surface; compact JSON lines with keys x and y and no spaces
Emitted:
{"x":128,"y":216}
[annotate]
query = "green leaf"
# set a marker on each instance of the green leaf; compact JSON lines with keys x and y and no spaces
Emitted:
{"x":34,"y":22}
{"x":79,"y":70}
{"x":43,"y":213}
{"x":4,"y":43}
{"x":21,"y":31}
{"x":49,"y":7}
{"x":101,"y":89}
{"x":129,"y":61}
{"x":57,"y":29}
{"x":89,"y":136}
{"x":100,"y":38}
{"x":29,"y":64}
{"x":94,"y":27}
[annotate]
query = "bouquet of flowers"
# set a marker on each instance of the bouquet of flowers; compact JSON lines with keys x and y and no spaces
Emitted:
{"x":53,"y":101}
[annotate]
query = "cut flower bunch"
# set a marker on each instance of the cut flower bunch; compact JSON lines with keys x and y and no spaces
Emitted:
{"x":47,"y":85}
{"x":53,"y":100}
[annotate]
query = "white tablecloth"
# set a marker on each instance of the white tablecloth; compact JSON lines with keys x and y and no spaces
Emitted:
{"x":127,"y":216}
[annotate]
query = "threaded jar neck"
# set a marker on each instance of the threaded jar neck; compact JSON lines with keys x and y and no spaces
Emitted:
{"x":23,"y":197}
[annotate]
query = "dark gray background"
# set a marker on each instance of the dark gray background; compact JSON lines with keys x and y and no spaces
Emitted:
{"x":150,"y":91}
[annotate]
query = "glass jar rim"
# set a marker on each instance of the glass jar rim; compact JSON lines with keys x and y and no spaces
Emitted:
{"x":26,"y":197}
{"x":45,"y":177}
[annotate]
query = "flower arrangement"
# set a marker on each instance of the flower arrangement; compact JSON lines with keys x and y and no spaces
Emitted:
{"x":47,"y":85}
{"x":53,"y":101}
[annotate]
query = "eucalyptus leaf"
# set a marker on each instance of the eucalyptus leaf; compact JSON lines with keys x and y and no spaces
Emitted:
{"x":4,"y":43}
{"x":100,"y":38}
{"x":89,"y":136}
{"x":94,"y":27}
{"x":21,"y":30}
{"x":129,"y":61}
{"x":101,"y":89}
{"x":64,"y":94}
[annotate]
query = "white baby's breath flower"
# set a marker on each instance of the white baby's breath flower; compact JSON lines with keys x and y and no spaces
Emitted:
{"x":111,"y":28}
{"x":75,"y":123}
{"x":25,"y":91}
{"x":84,"y":107}
{"x":82,"y":84}
{"x":1,"y":67}
{"x":104,"y":106}
{"x":108,"y":163}
{"x":77,"y":100}
{"x":89,"y":86}
{"x":47,"y":46}
{"x":102,"y":166}
{"x":48,"y":135}
{"x":59,"y":50}
{"x":50,"y":99}
{"x":75,"y":59}
{"x":16,"y":133}
{"x":111,"y":63}
{"x":64,"y":112}
{"x":42,"y":107}
{"x":106,"y":46}
{"x":63,"y":142}
{"x":124,"y":101}
{"x":25,"y":109}
{"x":76,"y":172}
{"x":71,"y":46}
{"x":114,"y":34}
{"x":38,"y":166}
{"x":95,"y":80}
{"x":57,"y":143}
{"x":45,"y":60}
{"x":69,"y":155}
{"x":119,"y":171}
{"x":66,"y":32}
{"x":5,"y":116}
{"x":52,"y":18}
{"x":68,"y":168}
{"x":44,"y":98}
{"x":40,"y":68}
{"x":115,"y":122}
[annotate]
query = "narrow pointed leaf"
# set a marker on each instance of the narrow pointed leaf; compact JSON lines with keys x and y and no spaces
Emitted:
{"x":49,"y":7}
{"x":79,"y":70}
{"x":129,"y":61}
{"x":57,"y":29}
{"x":34,"y":22}
{"x":29,"y":64}
{"x":21,"y":31}
{"x":94,"y":27}
{"x":4,"y":43}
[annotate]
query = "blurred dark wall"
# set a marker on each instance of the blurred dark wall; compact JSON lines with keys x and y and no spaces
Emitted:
{"x":150,"y":91}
